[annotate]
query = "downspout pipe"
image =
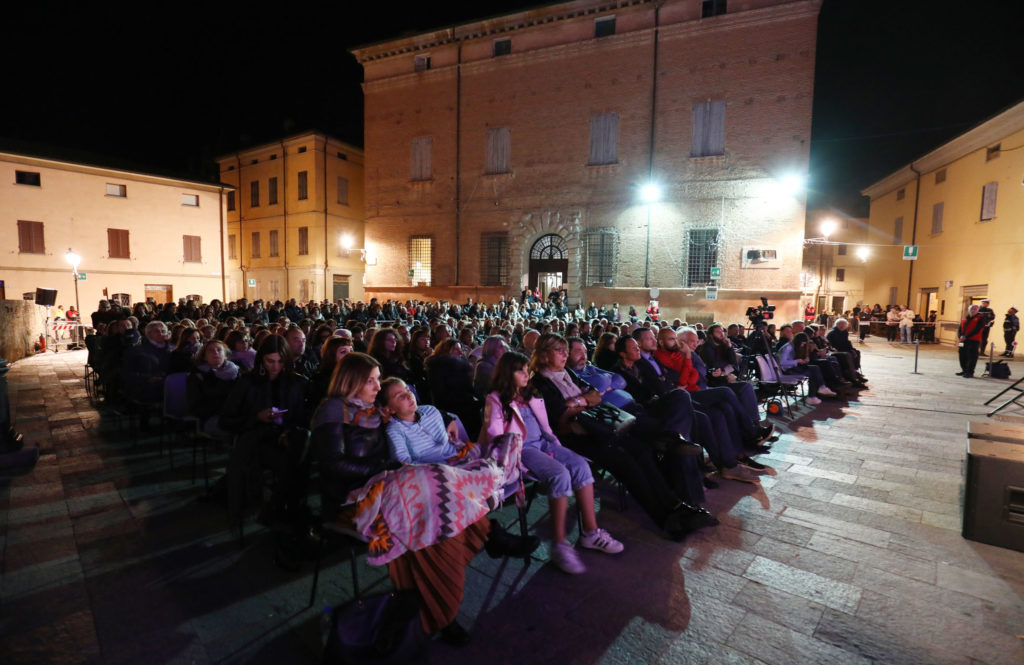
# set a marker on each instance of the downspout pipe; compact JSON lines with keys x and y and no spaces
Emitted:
{"x":650,"y":141}
{"x":325,"y":218}
{"x":223,"y":276}
{"x":458,"y":158}
{"x":913,"y":231}
{"x":284,"y":218}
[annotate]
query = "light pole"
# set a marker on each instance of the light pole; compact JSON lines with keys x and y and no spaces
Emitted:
{"x":74,"y":260}
{"x":650,"y":194}
{"x":828,"y":227}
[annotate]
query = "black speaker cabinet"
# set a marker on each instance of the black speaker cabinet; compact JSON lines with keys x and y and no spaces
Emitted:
{"x":46,"y":296}
{"x":994,"y":493}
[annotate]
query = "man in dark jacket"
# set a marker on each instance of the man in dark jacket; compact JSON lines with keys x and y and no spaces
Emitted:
{"x":970,"y":334}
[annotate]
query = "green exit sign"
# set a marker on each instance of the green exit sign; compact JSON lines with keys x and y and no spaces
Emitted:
{"x":81,"y":277}
{"x":910,"y":252}
{"x":716,"y":273}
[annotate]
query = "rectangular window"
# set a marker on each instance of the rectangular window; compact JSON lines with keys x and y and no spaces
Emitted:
{"x":604,"y":138}
{"x":937,"y":211}
{"x":193,"y":249}
{"x":993,"y":152}
{"x":897,"y":231}
{"x":604,"y":26}
{"x":421,"y":63}
{"x":272,"y":192}
{"x":274,"y":245}
{"x":231,"y":201}
{"x":255,"y":252}
{"x":494,"y":259}
{"x":302,"y":149}
{"x":709,"y":8}
{"x":840,"y":274}
{"x":117,"y":244}
{"x":303,"y":240}
{"x":901,"y":194}
{"x":498,"y":147}
{"x":940,"y":176}
{"x":30,"y":178}
{"x":988,"y":201}
{"x":343,"y":190}
{"x":421,"y":259}
{"x":840,"y":250}
{"x":303,"y":185}
{"x":601,"y":245}
{"x":30,"y":237}
{"x":254,"y":194}
{"x":702,"y":256}
{"x":708,"y":137}
{"x":232,"y":246}
{"x":120,"y":191}
{"x":191,"y":200}
{"x":502,"y":47}
{"x":422,"y":158}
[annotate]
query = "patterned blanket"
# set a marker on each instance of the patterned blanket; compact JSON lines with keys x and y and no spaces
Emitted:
{"x":419,"y":505}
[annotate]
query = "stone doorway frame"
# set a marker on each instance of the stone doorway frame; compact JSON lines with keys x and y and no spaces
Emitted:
{"x":531,"y":226}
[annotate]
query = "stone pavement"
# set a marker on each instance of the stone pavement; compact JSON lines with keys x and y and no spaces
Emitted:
{"x":852,"y":554}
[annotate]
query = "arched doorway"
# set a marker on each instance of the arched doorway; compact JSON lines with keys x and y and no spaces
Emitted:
{"x":549,"y":263}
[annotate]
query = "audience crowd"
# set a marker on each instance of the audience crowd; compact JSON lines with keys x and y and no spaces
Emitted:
{"x":386,"y":400}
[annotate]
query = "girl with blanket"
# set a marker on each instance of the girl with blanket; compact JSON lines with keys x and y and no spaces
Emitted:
{"x":426,"y":522}
{"x":515,"y":407}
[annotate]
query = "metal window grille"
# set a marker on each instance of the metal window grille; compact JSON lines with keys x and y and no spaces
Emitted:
{"x":604,"y":138}
{"x":494,"y":259}
{"x":498,"y":148}
{"x":702,"y":256}
{"x":937,"y":211}
{"x":303,"y":184}
{"x":274,"y":243}
{"x":708,"y":137}
{"x":550,"y":246}
{"x":421,"y":259}
{"x":422,"y":157}
{"x":988,"y":201}
{"x":601,"y":245}
{"x":502,"y":47}
{"x":897,"y":231}
{"x":303,"y":240}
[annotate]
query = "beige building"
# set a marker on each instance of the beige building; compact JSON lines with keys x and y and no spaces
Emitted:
{"x":961,"y":205}
{"x":295,"y":223}
{"x":835,"y":261}
{"x":138,"y":235}
{"x":514,"y":152}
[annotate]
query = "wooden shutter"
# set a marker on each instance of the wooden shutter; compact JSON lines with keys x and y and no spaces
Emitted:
{"x":498,"y":146}
{"x":343,"y":190}
{"x":192,"y":248}
{"x":255,"y":245}
{"x":422,"y":158}
{"x":937,"y":211}
{"x":274,"y":243}
{"x":30,"y":237}
{"x":303,"y":240}
{"x":988,"y":201}
{"x":897,"y":231}
{"x":117,"y":244}
{"x":232,"y":247}
{"x":604,"y":138}
{"x":303,"y":185}
{"x":708,"y":137}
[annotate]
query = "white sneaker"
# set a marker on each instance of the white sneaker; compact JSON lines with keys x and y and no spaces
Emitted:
{"x":825,"y":391}
{"x":813,"y":401}
{"x":599,"y":539}
{"x":564,"y":556}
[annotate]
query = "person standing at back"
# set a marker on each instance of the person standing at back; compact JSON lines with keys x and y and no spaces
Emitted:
{"x":970,"y":334}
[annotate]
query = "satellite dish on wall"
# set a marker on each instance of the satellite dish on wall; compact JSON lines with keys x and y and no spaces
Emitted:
{"x":655,"y":291}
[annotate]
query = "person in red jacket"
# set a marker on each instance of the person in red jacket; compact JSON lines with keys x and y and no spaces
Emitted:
{"x":971,"y":331}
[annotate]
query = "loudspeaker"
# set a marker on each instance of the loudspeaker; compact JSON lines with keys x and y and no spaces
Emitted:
{"x":994,"y":494}
{"x":46,"y":296}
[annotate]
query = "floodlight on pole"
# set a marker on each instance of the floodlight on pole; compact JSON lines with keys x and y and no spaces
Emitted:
{"x":863,"y":253}
{"x":650,"y":193}
{"x":74,"y":260}
{"x":828,"y":227}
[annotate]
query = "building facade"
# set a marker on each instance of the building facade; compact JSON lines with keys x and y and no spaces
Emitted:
{"x":138,"y":235}
{"x":961,"y":206}
{"x":295,"y":223}
{"x":515,"y":151}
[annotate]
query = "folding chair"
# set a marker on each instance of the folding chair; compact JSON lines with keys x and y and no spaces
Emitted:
{"x":175,"y":410}
{"x":776,"y":384}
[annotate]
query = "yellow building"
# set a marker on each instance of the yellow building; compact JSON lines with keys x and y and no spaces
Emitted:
{"x":835,"y":261}
{"x":961,"y":206}
{"x":138,"y":235}
{"x":295,"y":225}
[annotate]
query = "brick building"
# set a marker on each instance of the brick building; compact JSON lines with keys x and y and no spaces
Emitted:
{"x":512,"y":151}
{"x":298,"y":201}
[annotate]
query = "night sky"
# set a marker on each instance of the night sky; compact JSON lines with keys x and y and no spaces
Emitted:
{"x":168,"y":92}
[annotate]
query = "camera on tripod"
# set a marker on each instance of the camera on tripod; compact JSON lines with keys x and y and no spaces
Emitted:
{"x":759,"y":314}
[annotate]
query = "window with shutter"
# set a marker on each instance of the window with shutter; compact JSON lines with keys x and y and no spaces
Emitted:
{"x":604,"y":139}
{"x":119,"y":191}
{"x":840,"y":274}
{"x":193,"y":249}
{"x":255,"y":252}
{"x":342,"y":190}
{"x":708,"y":137}
{"x":988,"y":201}
{"x":272,"y":192}
{"x":422,"y":158}
{"x":30,"y":237}
{"x":191,"y":200}
{"x":117,"y":244}
{"x":303,"y":240}
{"x":231,"y":201}
{"x":841,"y":250}
{"x":303,"y":185}
{"x":604,"y":27}
{"x":897,"y":231}
{"x":601,"y":245}
{"x":937,"y":211}
{"x":498,"y":147}
{"x":274,"y":243}
{"x":254,"y":193}
{"x":232,"y":246}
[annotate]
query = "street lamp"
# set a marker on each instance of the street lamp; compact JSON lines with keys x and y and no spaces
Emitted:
{"x":650,"y":194}
{"x":863,"y":253}
{"x":828,"y":227}
{"x":74,"y":260}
